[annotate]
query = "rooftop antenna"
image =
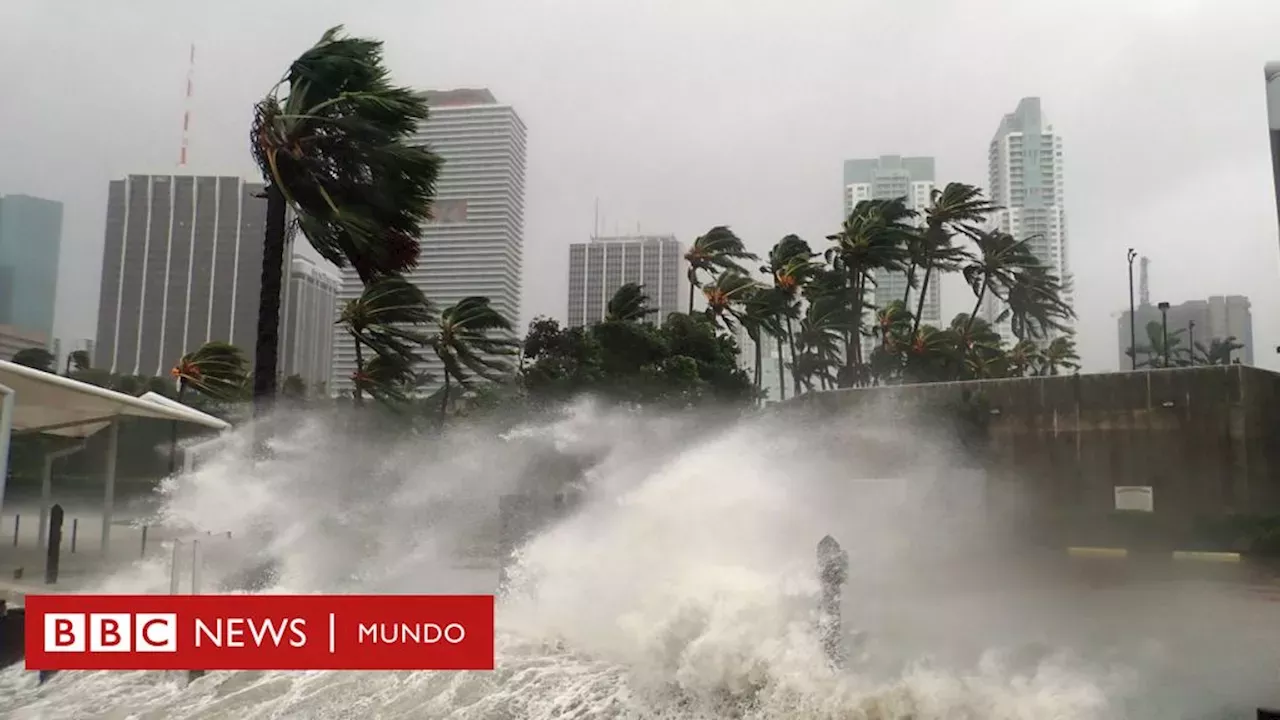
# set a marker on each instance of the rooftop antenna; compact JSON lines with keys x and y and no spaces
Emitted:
{"x":1144,"y":290}
{"x":595,"y":229}
{"x":186,"y":110}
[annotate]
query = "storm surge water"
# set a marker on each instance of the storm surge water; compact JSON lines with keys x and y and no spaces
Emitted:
{"x":682,"y":584}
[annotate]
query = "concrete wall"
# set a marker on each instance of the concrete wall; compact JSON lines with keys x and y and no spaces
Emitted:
{"x":1207,"y":439}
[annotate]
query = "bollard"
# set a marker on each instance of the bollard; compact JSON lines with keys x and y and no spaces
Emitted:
{"x":833,"y":569}
{"x":17,"y":523}
{"x":53,"y":548}
{"x":75,"y":529}
{"x":144,"y":541}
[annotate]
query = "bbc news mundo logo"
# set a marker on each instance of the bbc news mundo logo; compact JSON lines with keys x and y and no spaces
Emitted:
{"x":259,"y":632}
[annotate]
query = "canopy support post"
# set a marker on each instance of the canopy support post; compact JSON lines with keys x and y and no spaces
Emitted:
{"x":46,"y":488}
{"x":109,"y":496}
{"x":6,"y":429}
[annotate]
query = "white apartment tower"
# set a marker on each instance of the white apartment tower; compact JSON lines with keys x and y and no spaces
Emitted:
{"x":885,"y":178}
{"x":1025,"y":161}
{"x":475,"y":244}
{"x":598,"y":268}
{"x":307,"y":317}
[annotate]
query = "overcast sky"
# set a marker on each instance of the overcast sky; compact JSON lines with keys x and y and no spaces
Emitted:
{"x":683,"y":114}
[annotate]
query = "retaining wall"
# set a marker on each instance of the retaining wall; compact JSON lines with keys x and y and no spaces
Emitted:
{"x":1206,"y":439}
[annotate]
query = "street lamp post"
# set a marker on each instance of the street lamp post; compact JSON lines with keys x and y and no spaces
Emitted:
{"x":1133,"y":333}
{"x":1191,"y":341}
{"x":1164,"y":330}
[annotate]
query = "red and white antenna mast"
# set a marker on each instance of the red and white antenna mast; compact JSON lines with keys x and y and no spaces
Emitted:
{"x":186,"y":110}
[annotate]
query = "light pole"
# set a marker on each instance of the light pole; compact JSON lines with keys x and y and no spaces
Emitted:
{"x":1133,"y":333}
{"x":1164,"y":330}
{"x":1191,"y":341}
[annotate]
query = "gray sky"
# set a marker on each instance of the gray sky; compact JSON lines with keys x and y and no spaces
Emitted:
{"x":682,"y":114}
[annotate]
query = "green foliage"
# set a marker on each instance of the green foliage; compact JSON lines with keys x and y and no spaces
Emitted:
{"x":340,"y":147}
{"x":681,"y":363}
{"x":37,"y":358}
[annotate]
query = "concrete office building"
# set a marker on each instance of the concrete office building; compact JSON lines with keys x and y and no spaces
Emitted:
{"x":475,"y":244}
{"x":599,"y":267}
{"x":1026,"y":180}
{"x":30,"y":239}
{"x":1195,"y":321}
{"x":181,"y":266}
{"x":307,"y":318}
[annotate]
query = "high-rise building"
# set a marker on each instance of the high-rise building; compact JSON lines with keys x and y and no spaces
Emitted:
{"x":886,"y":178}
{"x":598,"y":268}
{"x":1195,"y":323}
{"x":1272,"y":72}
{"x":181,"y":266}
{"x":30,"y":238}
{"x":307,"y":323}
{"x":475,"y":244}
{"x":1025,"y":165}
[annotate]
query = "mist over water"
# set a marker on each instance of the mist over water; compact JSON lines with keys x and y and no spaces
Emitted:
{"x":683,"y":585}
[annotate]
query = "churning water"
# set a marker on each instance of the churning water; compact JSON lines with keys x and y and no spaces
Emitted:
{"x":682,"y":586}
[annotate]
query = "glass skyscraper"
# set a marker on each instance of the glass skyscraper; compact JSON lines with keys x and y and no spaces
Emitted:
{"x":30,"y":239}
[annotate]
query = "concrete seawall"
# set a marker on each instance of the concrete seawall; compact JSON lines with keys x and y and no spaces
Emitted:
{"x":1205,"y":439}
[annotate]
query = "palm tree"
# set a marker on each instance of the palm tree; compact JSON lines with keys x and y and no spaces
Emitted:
{"x":1061,"y":353}
{"x":77,"y":361}
{"x":337,"y":152}
{"x":1000,"y":256}
{"x":36,"y":357}
{"x":390,"y":318}
{"x":1219,"y":350}
{"x":873,"y":237}
{"x":1034,"y":305}
{"x":955,"y":206}
{"x":217,"y":370}
{"x":826,"y":322}
{"x":791,"y":265}
{"x":717,"y":251}
{"x":628,"y":304}
{"x":464,"y":345}
{"x":1155,"y":348}
{"x":1025,"y":358}
{"x":729,"y":290}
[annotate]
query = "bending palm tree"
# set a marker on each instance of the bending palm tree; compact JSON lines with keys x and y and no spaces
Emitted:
{"x":873,"y":237}
{"x":216,"y":370}
{"x":629,"y":304}
{"x":790,"y":265}
{"x":464,"y":345}
{"x":389,"y":318}
{"x":955,"y":206}
{"x":336,"y":152}
{"x":1000,"y":256}
{"x":718,"y":250}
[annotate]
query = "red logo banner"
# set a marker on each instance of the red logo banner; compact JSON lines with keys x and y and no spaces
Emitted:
{"x":259,"y":632}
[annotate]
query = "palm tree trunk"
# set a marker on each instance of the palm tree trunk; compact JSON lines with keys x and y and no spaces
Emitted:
{"x":356,"y":395}
{"x":982,"y":290}
{"x":265,"y":351}
{"x":791,"y":346}
{"x":759,"y":363}
{"x":692,"y":286}
{"x":924,"y":289}
{"x":782,"y":372}
{"x":911,"y":278}
{"x":444,"y":400}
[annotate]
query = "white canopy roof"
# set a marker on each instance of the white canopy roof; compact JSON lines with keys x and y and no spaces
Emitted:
{"x":56,"y":405}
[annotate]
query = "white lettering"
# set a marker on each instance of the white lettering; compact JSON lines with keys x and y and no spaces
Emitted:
{"x":404,"y":633}
{"x":230,"y":632}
